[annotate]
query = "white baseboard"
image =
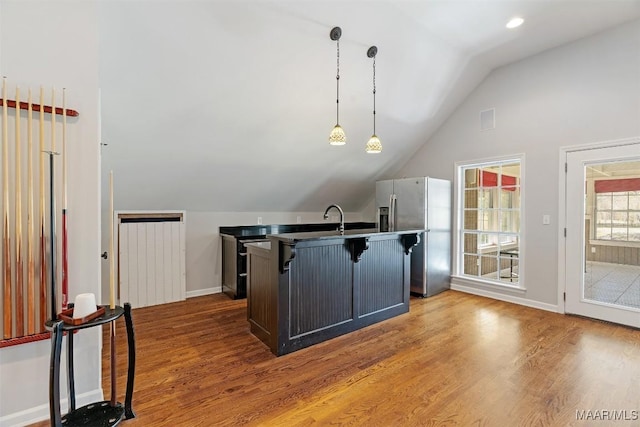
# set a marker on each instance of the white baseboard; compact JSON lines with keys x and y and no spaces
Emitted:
{"x":202,"y":292}
{"x":41,"y":412}
{"x":508,"y":298}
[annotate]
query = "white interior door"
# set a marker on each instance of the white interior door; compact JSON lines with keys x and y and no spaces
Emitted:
{"x":584,"y":226}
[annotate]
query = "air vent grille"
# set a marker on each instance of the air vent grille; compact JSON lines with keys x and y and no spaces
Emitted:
{"x":488,"y":119}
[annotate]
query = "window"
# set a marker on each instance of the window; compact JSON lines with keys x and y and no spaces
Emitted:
{"x":489,"y":208}
{"x":617,"y":214}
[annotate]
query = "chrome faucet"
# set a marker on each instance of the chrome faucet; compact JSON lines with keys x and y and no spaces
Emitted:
{"x":326,"y":216}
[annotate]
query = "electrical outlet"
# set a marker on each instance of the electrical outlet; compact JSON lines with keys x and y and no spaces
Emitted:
{"x":593,"y":249}
{"x":259,"y":220}
{"x":478,"y":262}
{"x":546,"y":219}
{"x":299,"y":219}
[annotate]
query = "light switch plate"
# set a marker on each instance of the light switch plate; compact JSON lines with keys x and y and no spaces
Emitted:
{"x":546,"y":219}
{"x":259,"y":220}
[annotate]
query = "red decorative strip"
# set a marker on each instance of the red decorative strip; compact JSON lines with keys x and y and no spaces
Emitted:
{"x":23,"y":340}
{"x":617,"y":185}
{"x":36,"y":107}
{"x":490,"y":179}
{"x":508,"y":181}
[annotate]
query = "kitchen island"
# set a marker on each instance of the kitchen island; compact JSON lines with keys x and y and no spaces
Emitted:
{"x":234,"y":238}
{"x":305,"y":288}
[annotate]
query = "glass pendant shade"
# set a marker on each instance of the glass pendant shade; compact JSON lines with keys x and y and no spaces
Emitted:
{"x":374,"y":145}
{"x":337,"y":136}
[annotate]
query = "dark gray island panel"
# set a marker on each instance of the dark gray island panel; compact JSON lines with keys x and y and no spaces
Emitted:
{"x":322,"y":285}
{"x":382,"y":274}
{"x":320,"y":293}
{"x":261,"y":298}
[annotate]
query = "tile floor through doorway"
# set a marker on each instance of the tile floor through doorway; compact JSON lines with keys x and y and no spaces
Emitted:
{"x":612,"y":283}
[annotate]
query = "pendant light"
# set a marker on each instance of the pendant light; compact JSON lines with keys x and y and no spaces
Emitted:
{"x":337,"y":136}
{"x":374,"y":145}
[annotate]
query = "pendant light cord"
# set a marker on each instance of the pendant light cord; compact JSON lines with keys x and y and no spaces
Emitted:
{"x":337,"y":81}
{"x":374,"y":95}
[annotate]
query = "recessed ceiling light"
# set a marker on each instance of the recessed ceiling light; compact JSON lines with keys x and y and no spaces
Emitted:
{"x":515,"y":22}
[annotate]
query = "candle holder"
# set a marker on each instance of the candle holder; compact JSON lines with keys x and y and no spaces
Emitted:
{"x":67,"y":316}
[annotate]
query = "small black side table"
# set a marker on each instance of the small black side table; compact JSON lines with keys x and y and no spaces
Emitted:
{"x":511,"y":253}
{"x":98,"y":413}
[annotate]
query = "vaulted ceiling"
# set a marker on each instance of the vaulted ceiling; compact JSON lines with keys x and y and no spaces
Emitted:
{"x":227,"y":105}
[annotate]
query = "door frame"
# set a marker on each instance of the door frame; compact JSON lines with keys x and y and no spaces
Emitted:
{"x":562,"y":206}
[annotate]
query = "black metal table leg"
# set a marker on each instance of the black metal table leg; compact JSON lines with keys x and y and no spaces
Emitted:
{"x":131,"y":345}
{"x":70,"y":377}
{"x":54,"y":375}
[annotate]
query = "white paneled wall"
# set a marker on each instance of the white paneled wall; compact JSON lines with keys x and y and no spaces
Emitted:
{"x":152,"y":263}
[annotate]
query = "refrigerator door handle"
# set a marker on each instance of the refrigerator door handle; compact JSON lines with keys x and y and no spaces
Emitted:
{"x":392,"y":212}
{"x":390,"y":227}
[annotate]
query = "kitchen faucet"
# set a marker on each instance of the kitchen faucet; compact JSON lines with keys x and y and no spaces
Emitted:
{"x":326,"y":216}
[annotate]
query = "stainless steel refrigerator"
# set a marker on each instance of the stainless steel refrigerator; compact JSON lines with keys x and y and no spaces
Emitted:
{"x":420,"y":203}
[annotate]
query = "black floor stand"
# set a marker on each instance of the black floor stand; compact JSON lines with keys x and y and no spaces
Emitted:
{"x":98,"y":413}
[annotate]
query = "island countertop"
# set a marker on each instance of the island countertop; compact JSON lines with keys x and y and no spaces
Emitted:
{"x":334,"y":234}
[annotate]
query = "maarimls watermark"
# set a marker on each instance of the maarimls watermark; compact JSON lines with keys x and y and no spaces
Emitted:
{"x":607,"y":414}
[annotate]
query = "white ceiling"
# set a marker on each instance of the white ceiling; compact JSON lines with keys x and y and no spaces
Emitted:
{"x":227,"y":105}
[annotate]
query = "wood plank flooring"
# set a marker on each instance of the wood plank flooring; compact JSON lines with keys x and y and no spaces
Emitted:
{"x":455,"y":359}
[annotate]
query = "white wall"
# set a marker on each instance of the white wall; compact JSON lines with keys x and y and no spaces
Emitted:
{"x":55,"y":44}
{"x":583,"y":92}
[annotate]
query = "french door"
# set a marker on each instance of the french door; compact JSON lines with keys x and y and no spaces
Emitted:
{"x":602,"y":275}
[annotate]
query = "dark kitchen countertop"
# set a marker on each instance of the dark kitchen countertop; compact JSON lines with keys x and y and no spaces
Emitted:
{"x":257,"y":231}
{"x":333,"y":234}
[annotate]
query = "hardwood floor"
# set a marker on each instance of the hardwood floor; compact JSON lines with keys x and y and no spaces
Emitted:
{"x":455,"y":359}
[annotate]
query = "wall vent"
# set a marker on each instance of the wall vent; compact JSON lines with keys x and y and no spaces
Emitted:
{"x":127,"y":218}
{"x":488,"y":119}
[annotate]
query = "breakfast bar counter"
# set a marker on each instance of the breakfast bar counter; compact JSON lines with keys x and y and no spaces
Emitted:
{"x":305,"y":288}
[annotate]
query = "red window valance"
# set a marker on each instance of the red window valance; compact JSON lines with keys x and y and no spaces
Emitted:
{"x":617,"y":185}
{"x":490,"y":179}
